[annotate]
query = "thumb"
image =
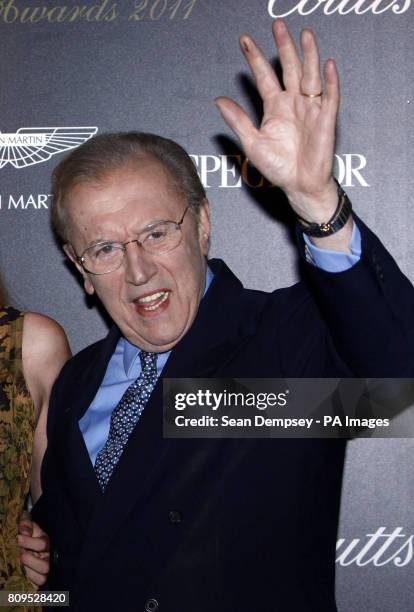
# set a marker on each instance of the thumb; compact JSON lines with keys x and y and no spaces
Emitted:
{"x":236,"y":118}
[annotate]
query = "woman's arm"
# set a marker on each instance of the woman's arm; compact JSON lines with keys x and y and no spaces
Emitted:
{"x":45,"y":350}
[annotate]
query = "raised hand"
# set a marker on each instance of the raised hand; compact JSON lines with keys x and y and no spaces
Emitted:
{"x":294,"y":145}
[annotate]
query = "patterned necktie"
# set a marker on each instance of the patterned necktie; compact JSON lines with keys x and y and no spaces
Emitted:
{"x":125,"y":416}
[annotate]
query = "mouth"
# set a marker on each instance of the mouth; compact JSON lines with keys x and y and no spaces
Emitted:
{"x":152,"y":303}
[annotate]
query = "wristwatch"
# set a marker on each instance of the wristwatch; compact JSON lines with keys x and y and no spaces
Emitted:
{"x":335,"y":223}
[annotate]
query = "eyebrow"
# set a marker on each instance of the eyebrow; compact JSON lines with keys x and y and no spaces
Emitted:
{"x":146,"y":227}
{"x":99,"y":241}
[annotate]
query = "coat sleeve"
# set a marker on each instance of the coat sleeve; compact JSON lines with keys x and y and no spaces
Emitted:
{"x":368,"y":310}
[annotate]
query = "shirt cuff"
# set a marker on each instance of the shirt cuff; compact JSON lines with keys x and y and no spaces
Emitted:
{"x":334,"y":261}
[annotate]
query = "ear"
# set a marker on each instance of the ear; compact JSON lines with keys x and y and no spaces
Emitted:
{"x":204,"y":226}
{"x":88,"y":286}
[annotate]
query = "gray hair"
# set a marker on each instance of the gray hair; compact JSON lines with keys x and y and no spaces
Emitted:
{"x":106,"y":152}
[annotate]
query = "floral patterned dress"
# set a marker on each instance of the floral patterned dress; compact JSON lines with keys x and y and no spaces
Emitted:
{"x":17,"y":423}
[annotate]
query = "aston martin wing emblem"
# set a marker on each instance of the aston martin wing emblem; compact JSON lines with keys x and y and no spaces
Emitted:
{"x":35,"y":145}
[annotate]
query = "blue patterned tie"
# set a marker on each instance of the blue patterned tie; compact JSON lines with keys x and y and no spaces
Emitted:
{"x":125,"y":416}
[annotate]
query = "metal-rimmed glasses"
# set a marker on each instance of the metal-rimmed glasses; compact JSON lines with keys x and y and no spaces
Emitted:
{"x":107,"y":256}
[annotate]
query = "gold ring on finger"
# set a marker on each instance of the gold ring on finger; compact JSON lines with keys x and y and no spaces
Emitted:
{"x":317,"y":95}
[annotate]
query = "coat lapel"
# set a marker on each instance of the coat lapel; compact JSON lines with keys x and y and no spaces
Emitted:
{"x":216,"y":335}
{"x":78,"y":474}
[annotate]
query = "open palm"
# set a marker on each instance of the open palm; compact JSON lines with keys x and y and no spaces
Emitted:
{"x":294,"y":145}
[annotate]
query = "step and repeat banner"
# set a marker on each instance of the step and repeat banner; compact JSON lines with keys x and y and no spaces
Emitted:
{"x":72,"y":69}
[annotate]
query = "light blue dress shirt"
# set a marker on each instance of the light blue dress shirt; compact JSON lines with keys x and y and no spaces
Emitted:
{"x":333,"y":261}
{"x":124,"y":366}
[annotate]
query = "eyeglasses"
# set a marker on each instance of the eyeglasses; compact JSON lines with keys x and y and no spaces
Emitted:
{"x":158,"y":238}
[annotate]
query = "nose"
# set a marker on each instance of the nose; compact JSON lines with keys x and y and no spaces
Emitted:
{"x":140,"y":266}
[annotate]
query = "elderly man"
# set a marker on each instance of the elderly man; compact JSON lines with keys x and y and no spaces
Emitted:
{"x":138,"y":522}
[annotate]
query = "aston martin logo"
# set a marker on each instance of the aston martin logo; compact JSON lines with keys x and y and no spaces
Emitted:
{"x":35,"y":145}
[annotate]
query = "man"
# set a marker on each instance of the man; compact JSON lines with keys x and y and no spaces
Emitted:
{"x":138,"y":522}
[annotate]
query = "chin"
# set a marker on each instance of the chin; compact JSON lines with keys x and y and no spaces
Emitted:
{"x":163,"y":344}
{"x":158,"y":342}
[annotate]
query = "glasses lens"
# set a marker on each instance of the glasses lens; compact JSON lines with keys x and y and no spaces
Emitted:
{"x":161,"y":238}
{"x":103,"y":257}
{"x":106,"y":257}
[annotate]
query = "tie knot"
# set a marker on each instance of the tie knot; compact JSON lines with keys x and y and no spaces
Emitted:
{"x":148,"y":361}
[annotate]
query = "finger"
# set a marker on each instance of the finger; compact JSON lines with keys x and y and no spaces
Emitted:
{"x":311,"y":76}
{"x":266,"y":80}
{"x":38,"y":544}
{"x":35,"y":578}
{"x":291,"y":64}
{"x":329,"y":109}
{"x":236,"y":118}
{"x":26,"y":525}
{"x":31,"y":561}
{"x":332,"y":93}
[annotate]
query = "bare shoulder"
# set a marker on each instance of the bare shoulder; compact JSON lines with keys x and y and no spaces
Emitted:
{"x":40,"y":329}
{"x":45,"y":349}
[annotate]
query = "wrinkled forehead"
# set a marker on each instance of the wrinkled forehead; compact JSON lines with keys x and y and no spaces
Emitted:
{"x":136,"y":194}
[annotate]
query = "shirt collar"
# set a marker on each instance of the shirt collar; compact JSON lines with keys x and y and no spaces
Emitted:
{"x":131,"y":352}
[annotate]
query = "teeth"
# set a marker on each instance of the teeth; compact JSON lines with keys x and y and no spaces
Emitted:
{"x":151,"y":298}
